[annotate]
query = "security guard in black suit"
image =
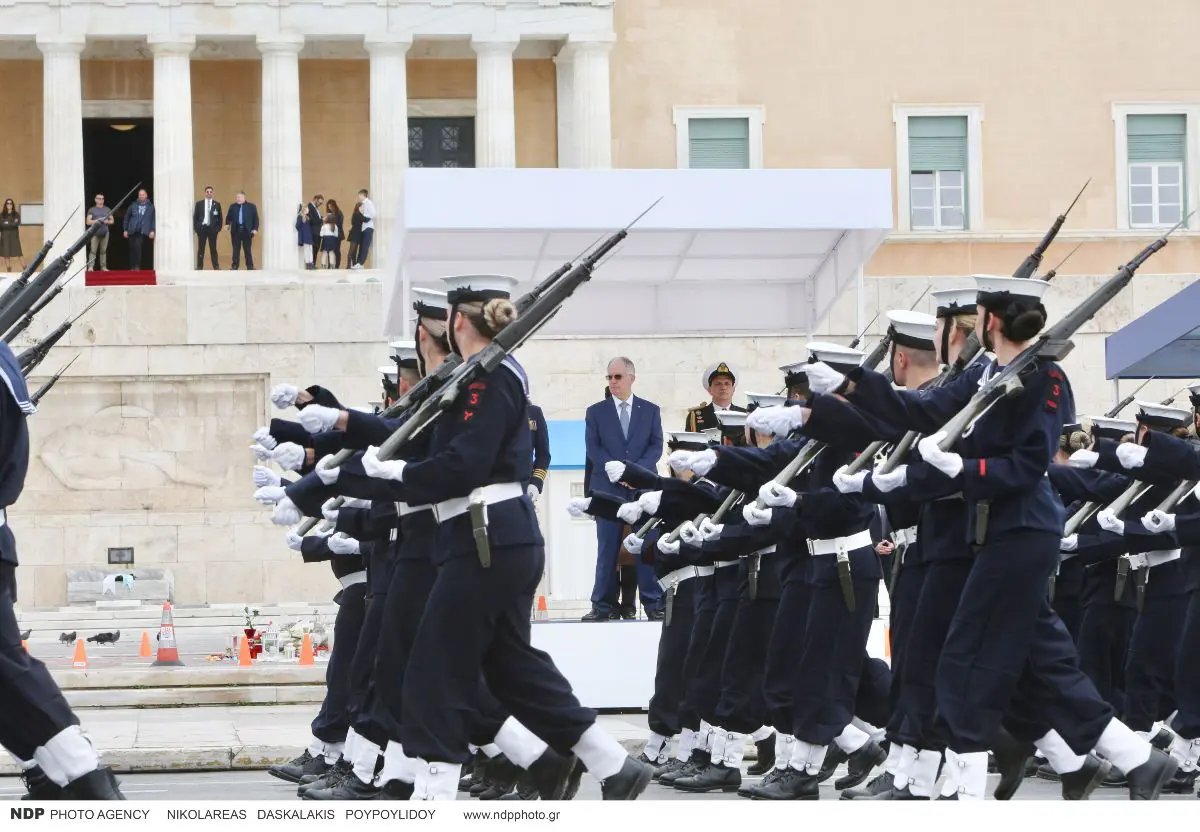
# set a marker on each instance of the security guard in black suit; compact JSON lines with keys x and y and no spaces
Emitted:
{"x":720,"y":381}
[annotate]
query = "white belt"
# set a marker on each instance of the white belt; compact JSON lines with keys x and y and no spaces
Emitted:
{"x":704,"y":571}
{"x":353,"y":578}
{"x":674,"y":578}
{"x":905,"y":537}
{"x":393,"y":534}
{"x":770,"y":550}
{"x":404,"y":509}
{"x":721,"y":564}
{"x":492,"y":494}
{"x":840,"y":545}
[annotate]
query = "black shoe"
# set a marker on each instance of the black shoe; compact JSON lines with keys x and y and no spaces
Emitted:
{"x":1046,"y":772}
{"x":751,"y":790}
{"x":576,"y":779}
{"x":897,"y":794}
{"x":475,"y":776}
{"x":597,"y":615}
{"x":1147,"y":780}
{"x":766,"y":757}
{"x":350,"y":788}
{"x":1011,"y":755}
{"x":499,"y":778}
{"x":654,"y":764}
{"x":1162,"y":740}
{"x":656,"y":615}
{"x":1184,"y":782}
{"x":98,"y":784}
{"x":879,"y":784}
{"x":791,"y":785}
{"x":716,"y":776}
{"x":299,"y":767}
{"x":671,"y":765}
{"x":526,"y":788}
{"x":338,"y":772}
{"x":860,"y":765}
{"x":549,"y":775}
{"x":834,"y":757}
{"x":40,"y":787}
{"x":1114,"y":780}
{"x":628,"y":614}
{"x":1031,"y":767}
{"x":699,"y":761}
{"x":628,"y":783}
{"x":396,"y":790}
{"x":1079,"y":785}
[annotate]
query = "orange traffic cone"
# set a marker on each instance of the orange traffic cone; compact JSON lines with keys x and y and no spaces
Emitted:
{"x":168,"y":652}
{"x":306,"y":651}
{"x":542,"y":613}
{"x":144,"y":652}
{"x":244,"y":652}
{"x":80,"y":661}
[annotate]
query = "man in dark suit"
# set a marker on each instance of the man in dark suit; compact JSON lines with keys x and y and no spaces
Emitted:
{"x":139,"y":227}
{"x":206,"y":222}
{"x":316,"y":218}
{"x":242,"y":220}
{"x":623,"y":429}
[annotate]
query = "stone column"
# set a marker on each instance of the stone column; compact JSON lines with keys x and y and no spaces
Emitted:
{"x":174,"y":179}
{"x":496,"y":121}
{"x":389,"y":138}
{"x":564,"y":72}
{"x":282,"y":183}
{"x":62,"y":135}
{"x":591,"y":111}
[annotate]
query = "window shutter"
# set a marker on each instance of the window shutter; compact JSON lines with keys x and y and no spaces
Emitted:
{"x":719,"y":143}
{"x":937,"y":143}
{"x":1158,"y":138}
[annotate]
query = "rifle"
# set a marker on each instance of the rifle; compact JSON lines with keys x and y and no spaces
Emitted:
{"x":33,"y":356}
{"x":858,"y":338}
{"x":46,"y":299}
{"x":1125,"y":402}
{"x":1031,"y":263}
{"x":17,"y":285}
{"x":1170,"y":400}
{"x":37,"y":287}
{"x":45,"y":388}
{"x":1050,"y":275}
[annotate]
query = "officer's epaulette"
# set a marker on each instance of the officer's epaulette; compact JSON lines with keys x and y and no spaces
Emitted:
{"x":700,"y":406}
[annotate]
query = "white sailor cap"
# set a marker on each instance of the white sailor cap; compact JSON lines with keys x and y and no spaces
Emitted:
{"x":765,"y":400}
{"x":404,"y":353}
{"x":835,"y":355}
{"x":912,"y":329}
{"x":731,"y":418}
{"x":993,"y":289}
{"x":363,"y":408}
{"x":429,"y":304}
{"x":684,"y":441}
{"x":469,"y":288}
{"x":718,"y":369}
{"x":1105,"y":427}
{"x":375,"y":406}
{"x":951,"y":302}
{"x":1194,"y":395}
{"x":1157,"y":415}
{"x":391,"y":373}
{"x":794,"y":374}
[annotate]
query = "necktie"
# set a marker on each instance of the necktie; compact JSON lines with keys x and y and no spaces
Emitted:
{"x":625,"y":419}
{"x":239,"y":215}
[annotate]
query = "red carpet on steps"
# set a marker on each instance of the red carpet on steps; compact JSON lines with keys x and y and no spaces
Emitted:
{"x":121,"y":278}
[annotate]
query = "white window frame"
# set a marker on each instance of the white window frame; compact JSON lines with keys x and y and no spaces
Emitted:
{"x":755,"y":116}
{"x":937,"y":203}
{"x":973,"y":210}
{"x":1191,"y":185}
{"x":1155,"y":167}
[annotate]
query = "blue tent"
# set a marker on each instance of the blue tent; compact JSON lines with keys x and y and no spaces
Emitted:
{"x":1163,"y":343}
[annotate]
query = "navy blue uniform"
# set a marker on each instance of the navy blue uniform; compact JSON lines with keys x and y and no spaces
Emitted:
{"x":541,"y":447}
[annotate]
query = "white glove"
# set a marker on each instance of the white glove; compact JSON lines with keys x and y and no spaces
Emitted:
{"x":1131,"y":455}
{"x":330,"y":509}
{"x":822,"y":378}
{"x":1069,"y":544}
{"x":294,"y":541}
{"x":1083,"y":458}
{"x":327,"y":472}
{"x":629,"y":512}
{"x":269,"y":495}
{"x":286,"y":513}
{"x":340,"y":544}
{"x":289,"y":456}
{"x":688,"y":533}
{"x":668,"y":547}
{"x":710,"y":530}
{"x":263,"y":437}
{"x":1157,"y":521}
{"x":633,"y":544}
{"x":321,"y":531}
{"x":848,"y":483}
{"x":949,"y":463}
{"x":777,"y":421}
{"x":577,"y":506}
{"x":680,"y":460}
{"x":392,"y":469}
{"x":615,"y":470}
{"x":532,"y":492}
{"x":283,"y":396}
{"x":1110,"y":522}
{"x":261,"y":453}
{"x":317,"y":418}
{"x":775,"y":495}
{"x":265,"y":476}
{"x":756,"y":516}
{"x":650,"y":501}
{"x":703,"y":461}
{"x":891,"y":480}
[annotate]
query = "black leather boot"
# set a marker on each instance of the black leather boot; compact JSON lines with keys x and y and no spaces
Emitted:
{"x":878,"y":785}
{"x":859,"y":765}
{"x":1079,"y":785}
{"x":766,"y":757}
{"x":699,"y":761}
{"x":330,"y":779}
{"x":715,"y":777}
{"x":671,"y":765}
{"x":1010,"y":754}
{"x":549,"y":775}
{"x":1147,"y":780}
{"x":790,"y":785}
{"x":834,"y":757}
{"x":752,"y":789}
{"x":474,"y":777}
{"x":628,"y":783}
{"x":898,"y":794}
{"x":396,"y":790}
{"x":39,"y":787}
{"x":98,"y":784}
{"x":1184,"y":782}
{"x":526,"y":789}
{"x":500,"y":777}
{"x":305,"y":764}
{"x":349,"y":788}
{"x":1046,"y":772}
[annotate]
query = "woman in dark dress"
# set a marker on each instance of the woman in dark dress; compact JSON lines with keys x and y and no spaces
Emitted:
{"x":10,"y":235}
{"x":339,"y":219}
{"x":356,"y":223}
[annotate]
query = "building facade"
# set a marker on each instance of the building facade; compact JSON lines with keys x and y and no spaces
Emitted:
{"x":991,"y":116}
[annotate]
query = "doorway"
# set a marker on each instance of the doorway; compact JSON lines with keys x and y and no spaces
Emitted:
{"x":117,"y":153}
{"x":441,"y":142}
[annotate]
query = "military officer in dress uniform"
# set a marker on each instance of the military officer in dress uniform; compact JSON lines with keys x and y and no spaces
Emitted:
{"x":720,"y":381}
{"x":541,"y":452}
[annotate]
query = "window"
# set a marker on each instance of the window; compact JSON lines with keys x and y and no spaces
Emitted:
{"x":718,"y":137}
{"x":1157,"y":154}
{"x":939,"y":167}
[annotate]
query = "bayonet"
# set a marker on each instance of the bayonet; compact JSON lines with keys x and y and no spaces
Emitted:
{"x":45,"y":388}
{"x":1124,"y":403}
{"x":1050,"y":275}
{"x":1030,"y":265}
{"x":17,"y":285}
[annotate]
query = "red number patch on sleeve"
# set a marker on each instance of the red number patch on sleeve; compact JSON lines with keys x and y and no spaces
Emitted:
{"x":474,"y":399}
{"x":467,"y":414}
{"x":478,"y":385}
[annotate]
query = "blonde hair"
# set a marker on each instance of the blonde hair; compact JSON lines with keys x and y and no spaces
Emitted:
{"x":966,"y":322}
{"x":490,"y":317}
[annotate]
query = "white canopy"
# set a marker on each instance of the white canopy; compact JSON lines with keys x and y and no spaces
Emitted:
{"x":727,"y":250}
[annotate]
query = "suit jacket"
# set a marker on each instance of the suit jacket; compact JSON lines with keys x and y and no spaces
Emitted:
{"x":605,"y":443}
{"x":541,"y":447}
{"x":214,"y":219}
{"x":139,"y":224}
{"x":249,"y":216}
{"x":315,"y":220}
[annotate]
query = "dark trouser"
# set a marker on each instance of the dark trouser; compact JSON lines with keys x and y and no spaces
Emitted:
{"x":207,"y":234}
{"x":830,"y":663}
{"x":1150,"y":665}
{"x":337,"y":254}
{"x":787,"y":639}
{"x":741,"y":708}
{"x":905,"y":596}
{"x":136,"y":241}
{"x":1004,"y":641}
{"x":1187,"y":673}
{"x":609,"y":534}
{"x":241,"y":238}
{"x":704,"y":597}
{"x":32,"y":708}
{"x":1104,"y":633}
{"x":333,"y":720}
{"x":663,"y":716}
{"x":705,"y":687}
{"x":361,"y":702}
{"x":364,"y":248}
{"x":479,"y":618}
{"x":873,"y":702}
